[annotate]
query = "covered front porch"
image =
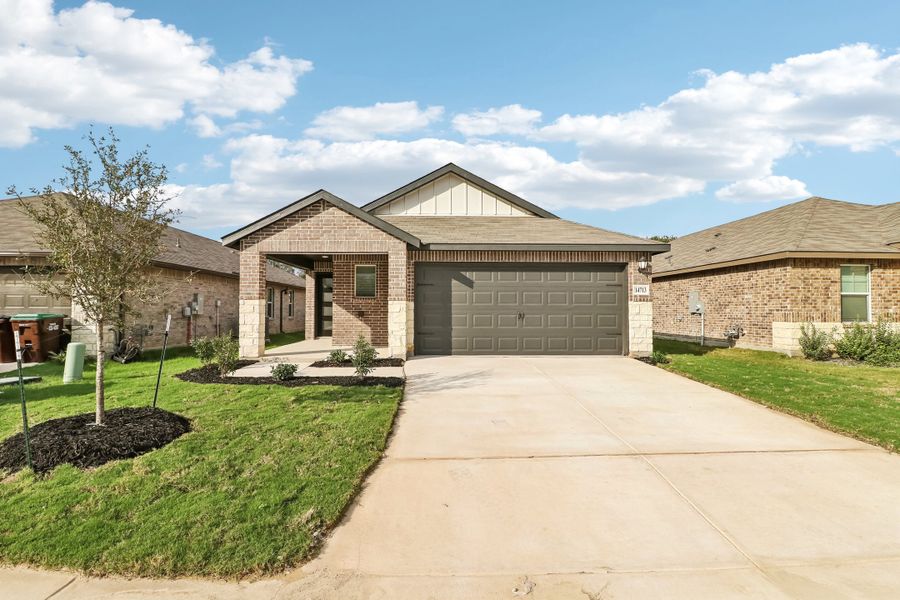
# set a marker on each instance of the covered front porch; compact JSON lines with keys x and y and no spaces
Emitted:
{"x":356,"y":273}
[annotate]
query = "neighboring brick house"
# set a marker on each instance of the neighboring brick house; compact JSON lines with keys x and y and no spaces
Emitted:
{"x":194,"y":271}
{"x":452,"y":264}
{"x":821,"y":261}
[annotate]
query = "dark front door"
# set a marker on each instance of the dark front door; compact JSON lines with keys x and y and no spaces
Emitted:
{"x":520,"y":309}
{"x":324,"y":291}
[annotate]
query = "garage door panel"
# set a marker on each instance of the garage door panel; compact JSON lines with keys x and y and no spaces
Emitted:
{"x":520,"y":308}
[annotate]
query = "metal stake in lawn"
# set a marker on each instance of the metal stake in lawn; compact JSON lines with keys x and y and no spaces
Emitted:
{"x":19,"y":352}
{"x":162,"y":357}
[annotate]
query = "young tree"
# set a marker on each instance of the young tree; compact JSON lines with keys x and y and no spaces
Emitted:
{"x":102,"y":230}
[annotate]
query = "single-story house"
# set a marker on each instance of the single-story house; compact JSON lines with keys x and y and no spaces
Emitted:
{"x":199,"y":277}
{"x":755,"y":281}
{"x":452,"y":264}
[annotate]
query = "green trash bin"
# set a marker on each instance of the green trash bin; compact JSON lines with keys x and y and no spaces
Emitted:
{"x":74,"y":362}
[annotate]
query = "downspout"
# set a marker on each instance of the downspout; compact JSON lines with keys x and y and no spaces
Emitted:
{"x":281,"y":311}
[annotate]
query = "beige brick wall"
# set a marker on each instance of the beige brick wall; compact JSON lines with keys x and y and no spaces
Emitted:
{"x":355,"y":316}
{"x":794,"y":290}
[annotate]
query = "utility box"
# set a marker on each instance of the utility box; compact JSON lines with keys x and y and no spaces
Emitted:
{"x":197,"y":304}
{"x":695,"y":305}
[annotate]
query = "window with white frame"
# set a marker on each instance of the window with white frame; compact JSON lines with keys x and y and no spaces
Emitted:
{"x":365,"y":284}
{"x":290,"y":304}
{"x":270,"y":303}
{"x":855,"y":290}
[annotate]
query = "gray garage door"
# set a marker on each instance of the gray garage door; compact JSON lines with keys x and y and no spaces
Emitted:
{"x":520,"y":309}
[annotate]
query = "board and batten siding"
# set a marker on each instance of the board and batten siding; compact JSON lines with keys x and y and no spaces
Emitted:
{"x":450,"y":195}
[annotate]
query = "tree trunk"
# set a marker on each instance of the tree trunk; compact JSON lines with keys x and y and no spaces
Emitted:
{"x":101,"y":359}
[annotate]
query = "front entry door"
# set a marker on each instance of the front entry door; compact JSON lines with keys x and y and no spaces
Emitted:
{"x":324,"y":291}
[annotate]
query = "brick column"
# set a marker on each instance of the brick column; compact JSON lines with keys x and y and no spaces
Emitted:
{"x":310,"y":298}
{"x":397,"y":301}
{"x":252,"y":310}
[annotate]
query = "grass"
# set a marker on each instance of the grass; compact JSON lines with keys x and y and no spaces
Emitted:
{"x":856,"y":400}
{"x":265,"y":473}
{"x":281,"y":339}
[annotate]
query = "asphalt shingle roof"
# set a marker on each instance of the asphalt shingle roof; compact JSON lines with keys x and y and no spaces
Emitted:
{"x":182,"y":249}
{"x":811,"y":225}
{"x":508,"y":230}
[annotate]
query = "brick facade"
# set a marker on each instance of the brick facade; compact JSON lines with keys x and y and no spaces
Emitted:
{"x":754,"y":296}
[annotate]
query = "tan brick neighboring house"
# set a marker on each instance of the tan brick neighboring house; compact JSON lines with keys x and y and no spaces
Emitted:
{"x":452,"y":264}
{"x":822,"y":261}
{"x":193,"y":271}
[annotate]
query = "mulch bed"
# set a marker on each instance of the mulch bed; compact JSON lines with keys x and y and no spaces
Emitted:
{"x":378,"y":362}
{"x":210,"y":374}
{"x":128,"y":432}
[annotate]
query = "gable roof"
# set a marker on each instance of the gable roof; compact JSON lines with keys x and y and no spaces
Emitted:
{"x":234,"y":237}
{"x":181,"y":249}
{"x":466,"y":175}
{"x":534,"y":233}
{"x":815,"y":225}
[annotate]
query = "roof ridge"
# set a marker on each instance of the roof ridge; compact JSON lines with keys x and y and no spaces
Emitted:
{"x":816,"y":200}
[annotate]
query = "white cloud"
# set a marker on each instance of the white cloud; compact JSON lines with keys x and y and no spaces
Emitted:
{"x":511,"y":119}
{"x":204,"y":126}
{"x":764,"y":189}
{"x":353,"y":123}
{"x":210,"y":162}
{"x":737,"y":126}
{"x":268,"y":172}
{"x":97,"y":62}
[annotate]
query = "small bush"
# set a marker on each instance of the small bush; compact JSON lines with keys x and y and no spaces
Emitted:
{"x":658,"y":357}
{"x":338,"y":356}
{"x":225,"y":353}
{"x":887,"y":346}
{"x":857,"y":343}
{"x":815,"y":344}
{"x":203,"y":348}
{"x":364,"y":355}
{"x":283,"y":371}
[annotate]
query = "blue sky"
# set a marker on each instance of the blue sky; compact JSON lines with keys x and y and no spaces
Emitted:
{"x":641,"y":117}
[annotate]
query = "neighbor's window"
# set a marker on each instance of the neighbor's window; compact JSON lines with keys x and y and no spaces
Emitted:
{"x":270,"y":303}
{"x":290,"y":304}
{"x":365,"y":281}
{"x":854,"y":293}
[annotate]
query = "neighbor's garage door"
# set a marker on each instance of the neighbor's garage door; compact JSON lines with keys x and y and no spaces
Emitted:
{"x":520,"y":309}
{"x":19,"y":295}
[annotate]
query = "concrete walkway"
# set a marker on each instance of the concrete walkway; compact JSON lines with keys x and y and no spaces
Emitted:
{"x":570,"y":477}
{"x":306,"y":352}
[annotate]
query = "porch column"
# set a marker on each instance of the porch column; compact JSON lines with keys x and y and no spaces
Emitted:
{"x":252,"y":310}
{"x":397,"y":302}
{"x":310,"y":298}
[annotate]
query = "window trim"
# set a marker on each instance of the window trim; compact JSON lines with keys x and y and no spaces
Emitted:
{"x":270,"y":303}
{"x":867,"y":294}
{"x":356,"y":287}
{"x":290,"y":304}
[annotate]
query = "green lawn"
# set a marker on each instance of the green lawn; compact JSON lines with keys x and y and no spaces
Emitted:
{"x":860,"y":401}
{"x":265,"y":473}
{"x":280,"y":339}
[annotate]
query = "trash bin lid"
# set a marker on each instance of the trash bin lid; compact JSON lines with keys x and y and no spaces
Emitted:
{"x":35,"y":316}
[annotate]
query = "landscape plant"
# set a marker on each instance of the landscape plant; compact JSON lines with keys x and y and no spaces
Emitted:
{"x":283,"y":371}
{"x":338,"y":356}
{"x":101,"y":224}
{"x":658,"y":357}
{"x":815,"y":344}
{"x":226,"y":352}
{"x":204,"y":349}
{"x":857,"y":343}
{"x":364,"y":355}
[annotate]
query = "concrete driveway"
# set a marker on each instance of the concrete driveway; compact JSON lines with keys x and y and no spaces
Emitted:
{"x":591,"y":477}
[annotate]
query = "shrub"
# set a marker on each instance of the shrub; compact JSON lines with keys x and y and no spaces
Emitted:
{"x":814,"y":343}
{"x":203,"y":348}
{"x":338,"y":356}
{"x":887,"y":346}
{"x":857,"y":343}
{"x":225,"y":353}
{"x":283,"y":371}
{"x":364,"y":355}
{"x":658,"y":357}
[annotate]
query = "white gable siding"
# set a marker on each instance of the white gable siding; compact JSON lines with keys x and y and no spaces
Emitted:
{"x":450,"y":195}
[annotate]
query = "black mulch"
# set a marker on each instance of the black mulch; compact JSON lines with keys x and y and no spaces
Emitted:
{"x":127,"y":432}
{"x":378,"y":362}
{"x":210,"y":374}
